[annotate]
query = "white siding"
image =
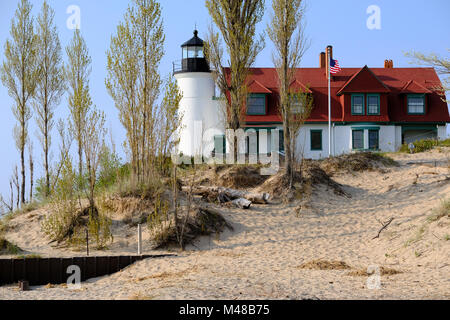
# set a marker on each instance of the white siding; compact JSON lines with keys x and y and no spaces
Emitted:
{"x":442,"y":132}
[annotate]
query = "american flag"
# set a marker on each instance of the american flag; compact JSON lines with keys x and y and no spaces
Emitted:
{"x":334,"y":66}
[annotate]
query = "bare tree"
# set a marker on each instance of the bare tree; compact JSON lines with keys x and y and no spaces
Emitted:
{"x":31,"y":164}
{"x":441,"y":64}
{"x":65,"y":138}
{"x":18,"y":74}
{"x":236,"y":21}
{"x":9,"y":206}
{"x":15,"y":181}
{"x":93,"y":143}
{"x":50,"y":83}
{"x":286,"y":30}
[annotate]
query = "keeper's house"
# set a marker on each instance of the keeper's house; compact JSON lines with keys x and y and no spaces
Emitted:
{"x":371,"y":108}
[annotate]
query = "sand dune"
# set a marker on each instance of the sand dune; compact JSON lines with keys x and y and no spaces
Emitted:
{"x":261,"y":258}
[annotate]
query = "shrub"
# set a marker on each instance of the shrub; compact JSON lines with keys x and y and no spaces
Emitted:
{"x":59,"y":223}
{"x":425,"y":144}
{"x":100,"y":230}
{"x":440,"y":212}
{"x":110,"y":169}
{"x":7,"y":247}
{"x":159,"y":222}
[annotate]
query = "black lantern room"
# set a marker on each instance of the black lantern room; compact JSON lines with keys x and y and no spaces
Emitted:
{"x":193,"y":58}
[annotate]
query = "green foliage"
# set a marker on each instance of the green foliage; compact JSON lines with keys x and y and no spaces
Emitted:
{"x":425,"y":145}
{"x":159,"y":222}
{"x":28,"y":256}
{"x":130,"y":187}
{"x":40,"y":191}
{"x":99,"y":227}
{"x":50,"y":85}
{"x":110,"y":169}
{"x":58,"y":224}
{"x":7,"y":247}
{"x":18,"y":73}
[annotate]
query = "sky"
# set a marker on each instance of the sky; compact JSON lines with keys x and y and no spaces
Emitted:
{"x":405,"y":25}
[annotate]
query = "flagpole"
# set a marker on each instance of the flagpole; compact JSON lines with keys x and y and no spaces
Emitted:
{"x":329,"y":103}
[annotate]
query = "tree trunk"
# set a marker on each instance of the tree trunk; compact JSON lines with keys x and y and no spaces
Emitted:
{"x":22,"y":161}
{"x":31,"y":176}
{"x":46,"y":166}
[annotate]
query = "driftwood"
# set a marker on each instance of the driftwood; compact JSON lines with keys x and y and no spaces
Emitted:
{"x":242,"y":203}
{"x":242,"y":199}
{"x":232,"y":194}
{"x":384,"y":226}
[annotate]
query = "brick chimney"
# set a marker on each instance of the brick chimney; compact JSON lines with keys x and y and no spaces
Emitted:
{"x":322,"y":60}
{"x":388,"y":64}
{"x":328,"y":56}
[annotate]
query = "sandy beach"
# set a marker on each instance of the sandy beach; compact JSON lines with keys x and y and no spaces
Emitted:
{"x":263,"y":257}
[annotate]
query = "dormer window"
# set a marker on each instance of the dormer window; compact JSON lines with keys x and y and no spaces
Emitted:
{"x":297,"y":105}
{"x":256,"y":104}
{"x":357,"y":104}
{"x":373,"y":104}
{"x":416,"y":104}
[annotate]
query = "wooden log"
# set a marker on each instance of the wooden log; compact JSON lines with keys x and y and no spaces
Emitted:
{"x":232,"y":194}
{"x":242,"y":203}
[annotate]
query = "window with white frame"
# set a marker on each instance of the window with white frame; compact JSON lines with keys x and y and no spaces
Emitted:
{"x":416,"y":104}
{"x":373,"y":104}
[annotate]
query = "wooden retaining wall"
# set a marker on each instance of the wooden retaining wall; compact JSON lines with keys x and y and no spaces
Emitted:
{"x":42,"y":271}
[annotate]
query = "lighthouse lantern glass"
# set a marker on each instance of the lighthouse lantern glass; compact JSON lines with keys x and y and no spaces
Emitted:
{"x":193,"y":52}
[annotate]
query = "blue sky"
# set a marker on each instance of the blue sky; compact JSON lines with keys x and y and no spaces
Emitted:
{"x":405,"y":25}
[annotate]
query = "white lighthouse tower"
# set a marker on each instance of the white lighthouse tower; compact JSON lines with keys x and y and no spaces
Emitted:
{"x":200,"y":110}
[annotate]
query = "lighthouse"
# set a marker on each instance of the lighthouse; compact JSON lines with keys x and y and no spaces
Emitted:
{"x":200,"y":110}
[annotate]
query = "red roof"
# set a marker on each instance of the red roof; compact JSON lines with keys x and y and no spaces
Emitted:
{"x":413,"y":87}
{"x":256,"y":87}
{"x":391,"y":83}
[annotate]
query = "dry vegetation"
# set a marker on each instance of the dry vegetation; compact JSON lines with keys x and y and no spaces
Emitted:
{"x":384,"y":271}
{"x":7,"y":247}
{"x":356,"y":162}
{"x":341,"y":265}
{"x":324,"y":265}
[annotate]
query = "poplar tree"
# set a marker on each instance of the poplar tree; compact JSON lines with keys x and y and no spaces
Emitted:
{"x":18,"y":74}
{"x":50,"y":84}
{"x":77,"y":73}
{"x":236,"y":21}
{"x":93,"y":143}
{"x":286,"y":30}
{"x":134,"y":82}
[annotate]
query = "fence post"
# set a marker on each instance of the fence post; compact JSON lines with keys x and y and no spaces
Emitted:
{"x":87,"y":242}
{"x":139,"y":239}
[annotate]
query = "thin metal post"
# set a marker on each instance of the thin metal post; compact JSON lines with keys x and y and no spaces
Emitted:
{"x":329,"y":106}
{"x":139,"y":239}
{"x":87,"y":242}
